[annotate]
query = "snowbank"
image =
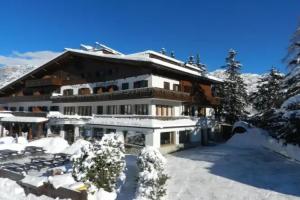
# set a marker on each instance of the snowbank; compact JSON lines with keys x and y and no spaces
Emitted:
{"x":102,"y":195}
{"x":10,"y":190}
{"x":256,"y":137}
{"x":288,"y":150}
{"x":10,"y":143}
{"x":51,"y":145}
{"x":76,"y":147}
{"x":252,"y":138}
{"x":65,"y":180}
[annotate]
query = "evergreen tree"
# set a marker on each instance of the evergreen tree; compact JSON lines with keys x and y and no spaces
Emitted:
{"x":101,"y":164}
{"x":268,"y":95}
{"x":292,"y":79}
{"x":233,"y":92}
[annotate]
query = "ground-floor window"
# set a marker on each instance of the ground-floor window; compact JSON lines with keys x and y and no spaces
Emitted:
{"x":98,"y":133}
{"x":184,"y":137}
{"x":109,"y":130}
{"x":134,"y":138}
{"x":167,"y":138}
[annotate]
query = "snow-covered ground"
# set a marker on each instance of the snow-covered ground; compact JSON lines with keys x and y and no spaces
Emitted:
{"x":237,"y":170}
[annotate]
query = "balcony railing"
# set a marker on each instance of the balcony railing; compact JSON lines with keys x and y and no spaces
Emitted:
{"x":126,"y":94}
{"x":43,"y":82}
{"x":24,"y":98}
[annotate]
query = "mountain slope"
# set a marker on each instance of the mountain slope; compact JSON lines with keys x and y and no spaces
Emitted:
{"x":251,"y":80}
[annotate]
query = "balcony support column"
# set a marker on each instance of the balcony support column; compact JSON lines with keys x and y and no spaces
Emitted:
{"x":62,"y":131}
{"x":76,"y":133}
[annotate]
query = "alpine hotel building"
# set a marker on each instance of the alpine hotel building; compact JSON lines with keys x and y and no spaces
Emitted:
{"x":148,"y":98}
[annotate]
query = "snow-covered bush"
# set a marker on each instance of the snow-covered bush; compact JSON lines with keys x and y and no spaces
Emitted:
{"x":100,"y":164}
{"x":152,"y":176}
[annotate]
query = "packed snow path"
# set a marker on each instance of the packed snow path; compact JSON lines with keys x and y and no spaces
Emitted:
{"x":232,"y":172}
{"x":129,"y":188}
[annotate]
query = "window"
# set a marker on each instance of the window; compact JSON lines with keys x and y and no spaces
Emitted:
{"x":44,"y":108}
{"x":125,"y":86}
{"x":68,"y":92}
{"x":69,"y":110}
{"x":167,"y":85}
{"x":85,"y":110}
{"x":166,"y":138}
{"x":108,"y":131}
{"x":54,"y":108}
{"x":30,"y":108}
{"x":21,"y":108}
{"x":140,"y":84}
{"x":141,"y":109}
{"x":175,"y":87}
{"x":84,"y":91}
{"x":112,"y":110}
{"x":13,"y":109}
{"x":99,"y":110}
{"x":163,"y":110}
{"x":125,"y":109}
{"x":99,"y":90}
{"x":184,"y":137}
{"x":98,"y":133}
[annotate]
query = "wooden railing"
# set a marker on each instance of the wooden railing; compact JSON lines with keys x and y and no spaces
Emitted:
{"x":24,"y":98}
{"x":43,"y":82}
{"x":126,"y":94}
{"x":29,"y":114}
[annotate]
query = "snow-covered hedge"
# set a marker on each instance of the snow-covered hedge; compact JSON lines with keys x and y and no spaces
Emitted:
{"x":101,"y":164}
{"x":152,"y":176}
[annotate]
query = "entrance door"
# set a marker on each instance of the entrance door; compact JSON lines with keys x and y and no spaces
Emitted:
{"x":69,"y":133}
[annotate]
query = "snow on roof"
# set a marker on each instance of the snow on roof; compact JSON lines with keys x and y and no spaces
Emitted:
{"x":24,"y":119}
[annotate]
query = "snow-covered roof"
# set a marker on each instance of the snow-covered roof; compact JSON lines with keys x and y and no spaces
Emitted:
{"x":24,"y":119}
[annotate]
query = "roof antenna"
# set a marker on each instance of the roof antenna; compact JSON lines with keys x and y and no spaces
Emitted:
{"x":163,"y":51}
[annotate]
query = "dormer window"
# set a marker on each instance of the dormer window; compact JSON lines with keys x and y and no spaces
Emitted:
{"x":84,"y":91}
{"x":68,"y":92}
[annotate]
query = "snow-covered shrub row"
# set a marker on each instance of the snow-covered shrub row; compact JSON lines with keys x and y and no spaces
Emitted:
{"x":152,"y":176}
{"x":101,"y":164}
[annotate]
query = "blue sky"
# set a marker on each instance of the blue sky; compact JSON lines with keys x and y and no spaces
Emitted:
{"x":258,"y":29}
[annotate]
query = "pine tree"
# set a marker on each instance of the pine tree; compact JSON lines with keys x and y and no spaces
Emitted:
{"x":233,"y":92}
{"x":292,"y":79}
{"x":100,"y":164}
{"x":268,"y":95}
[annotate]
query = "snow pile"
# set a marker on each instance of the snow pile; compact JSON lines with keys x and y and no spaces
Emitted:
{"x":51,"y":145}
{"x":256,"y":138}
{"x":76,"y":147}
{"x":252,"y":138}
{"x":7,"y":140}
{"x":36,"y":181}
{"x":280,"y":146}
{"x":11,"y":190}
{"x":15,"y":144}
{"x":64,"y":180}
{"x":152,"y":176}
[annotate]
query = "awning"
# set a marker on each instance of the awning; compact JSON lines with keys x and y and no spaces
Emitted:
{"x":23,"y":119}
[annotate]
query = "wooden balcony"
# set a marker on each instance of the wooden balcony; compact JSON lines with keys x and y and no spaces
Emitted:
{"x":4,"y":100}
{"x":29,"y":114}
{"x":126,"y":94}
{"x":44,"y":82}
